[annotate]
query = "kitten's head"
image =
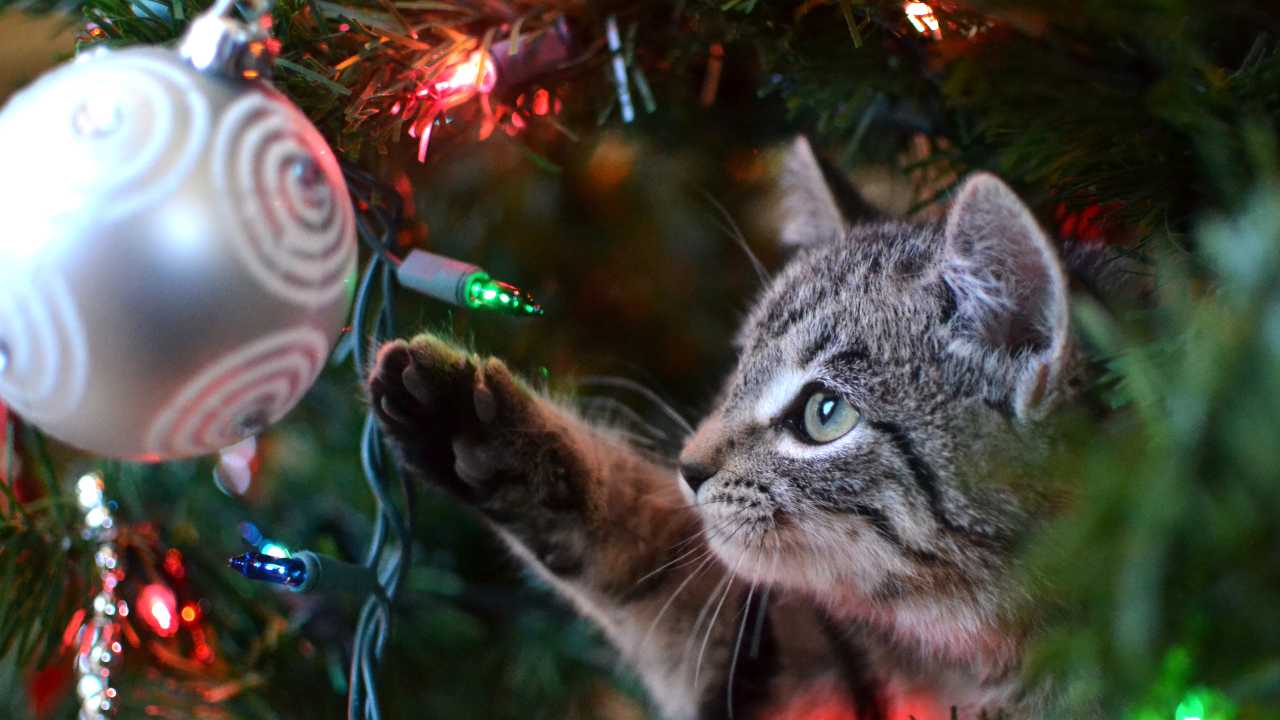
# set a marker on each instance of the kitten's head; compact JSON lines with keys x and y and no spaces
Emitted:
{"x":872,"y":440}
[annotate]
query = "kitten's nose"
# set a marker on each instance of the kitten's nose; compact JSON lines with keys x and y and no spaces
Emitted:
{"x":696,"y":474}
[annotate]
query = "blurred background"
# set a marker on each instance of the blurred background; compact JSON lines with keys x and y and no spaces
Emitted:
{"x":30,"y":45}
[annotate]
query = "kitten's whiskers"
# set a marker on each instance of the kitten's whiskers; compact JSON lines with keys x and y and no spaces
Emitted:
{"x":635,"y":387}
{"x":706,"y":638}
{"x":737,"y":647}
{"x":707,"y":561}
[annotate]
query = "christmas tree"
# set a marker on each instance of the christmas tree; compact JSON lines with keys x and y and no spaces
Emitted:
{"x":610,"y":158}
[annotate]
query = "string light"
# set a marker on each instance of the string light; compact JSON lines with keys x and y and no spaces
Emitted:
{"x":923,"y":19}
{"x":541,"y":102}
{"x":308,"y":572}
{"x":463,"y":284}
{"x":476,"y":74}
{"x":254,"y":538}
{"x":159,"y":609}
{"x":1190,"y":709}
{"x":485,"y":293}
{"x":460,"y":76}
{"x":173,"y":564}
{"x":96,"y":633}
{"x":281,"y":571}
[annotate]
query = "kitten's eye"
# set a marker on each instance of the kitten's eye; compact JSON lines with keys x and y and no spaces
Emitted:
{"x":827,"y":417}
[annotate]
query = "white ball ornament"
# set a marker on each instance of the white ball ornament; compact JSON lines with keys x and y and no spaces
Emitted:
{"x":177,"y":248}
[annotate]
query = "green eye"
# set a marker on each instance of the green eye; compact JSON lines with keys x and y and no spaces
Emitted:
{"x":827,"y":417}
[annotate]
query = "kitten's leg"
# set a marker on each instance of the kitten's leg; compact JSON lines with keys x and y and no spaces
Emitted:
{"x":607,"y":527}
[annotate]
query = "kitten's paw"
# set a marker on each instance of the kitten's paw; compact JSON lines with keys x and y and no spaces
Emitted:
{"x":451,"y":416}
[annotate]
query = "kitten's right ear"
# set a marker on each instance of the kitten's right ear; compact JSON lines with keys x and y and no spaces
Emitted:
{"x":1010,"y":288}
{"x":807,"y":208}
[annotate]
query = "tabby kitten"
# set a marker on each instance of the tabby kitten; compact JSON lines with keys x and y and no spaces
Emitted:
{"x":838,"y":536}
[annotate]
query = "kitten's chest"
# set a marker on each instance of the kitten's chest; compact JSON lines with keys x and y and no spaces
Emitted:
{"x":827,"y":699}
{"x":831,"y":669}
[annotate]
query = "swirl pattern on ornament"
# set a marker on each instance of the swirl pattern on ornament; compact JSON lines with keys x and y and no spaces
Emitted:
{"x":137,"y":125}
{"x":295,"y":229}
{"x":239,"y":394}
{"x":46,"y":351}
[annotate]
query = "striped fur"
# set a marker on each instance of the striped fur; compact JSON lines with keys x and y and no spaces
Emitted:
{"x":869,"y":576}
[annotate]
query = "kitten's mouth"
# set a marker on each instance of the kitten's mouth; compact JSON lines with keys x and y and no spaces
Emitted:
{"x":742,"y":529}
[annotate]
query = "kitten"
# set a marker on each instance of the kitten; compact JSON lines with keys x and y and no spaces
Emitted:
{"x":839,"y":534}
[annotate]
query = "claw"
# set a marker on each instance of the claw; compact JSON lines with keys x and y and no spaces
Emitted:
{"x":486,"y":405}
{"x":394,"y":356}
{"x":393,"y":412}
{"x":417,"y":387}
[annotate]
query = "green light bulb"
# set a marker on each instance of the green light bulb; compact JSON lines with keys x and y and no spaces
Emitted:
{"x":275,"y":550}
{"x":485,"y":293}
{"x":1192,"y":707}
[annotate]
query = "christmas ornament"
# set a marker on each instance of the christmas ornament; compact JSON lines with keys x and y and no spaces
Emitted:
{"x":177,"y":251}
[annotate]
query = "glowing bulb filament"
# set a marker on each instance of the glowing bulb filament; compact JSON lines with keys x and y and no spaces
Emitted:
{"x":922,"y":19}
{"x":475,"y":74}
{"x":160,"y":609}
{"x":275,"y":550}
{"x":161,"y":614}
{"x":463,"y":284}
{"x":483,"y":292}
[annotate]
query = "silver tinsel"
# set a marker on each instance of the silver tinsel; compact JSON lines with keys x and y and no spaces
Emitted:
{"x":98,"y":640}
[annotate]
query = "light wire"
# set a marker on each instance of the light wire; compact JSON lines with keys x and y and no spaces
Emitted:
{"x":391,"y":539}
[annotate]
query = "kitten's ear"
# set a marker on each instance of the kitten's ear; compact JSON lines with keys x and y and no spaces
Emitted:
{"x":807,"y":208}
{"x":1010,"y":288}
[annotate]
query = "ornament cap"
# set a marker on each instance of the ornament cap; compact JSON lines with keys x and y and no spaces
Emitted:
{"x":217,"y":44}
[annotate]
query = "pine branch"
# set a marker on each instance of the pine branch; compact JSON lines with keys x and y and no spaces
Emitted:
{"x":1151,"y":563}
{"x":42,"y":574}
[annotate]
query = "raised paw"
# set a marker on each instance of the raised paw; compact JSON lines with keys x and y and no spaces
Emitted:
{"x":452,"y":417}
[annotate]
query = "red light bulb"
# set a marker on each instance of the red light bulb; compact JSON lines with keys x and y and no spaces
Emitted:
{"x":159,"y":609}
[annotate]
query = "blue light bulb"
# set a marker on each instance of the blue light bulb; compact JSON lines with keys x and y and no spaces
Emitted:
{"x":281,"y":571}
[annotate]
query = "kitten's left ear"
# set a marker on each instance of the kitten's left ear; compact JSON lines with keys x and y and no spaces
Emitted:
{"x":1010,"y":288}
{"x":815,"y":201}
{"x":807,"y":208}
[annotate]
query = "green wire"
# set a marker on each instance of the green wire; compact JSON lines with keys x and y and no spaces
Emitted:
{"x":389,"y":560}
